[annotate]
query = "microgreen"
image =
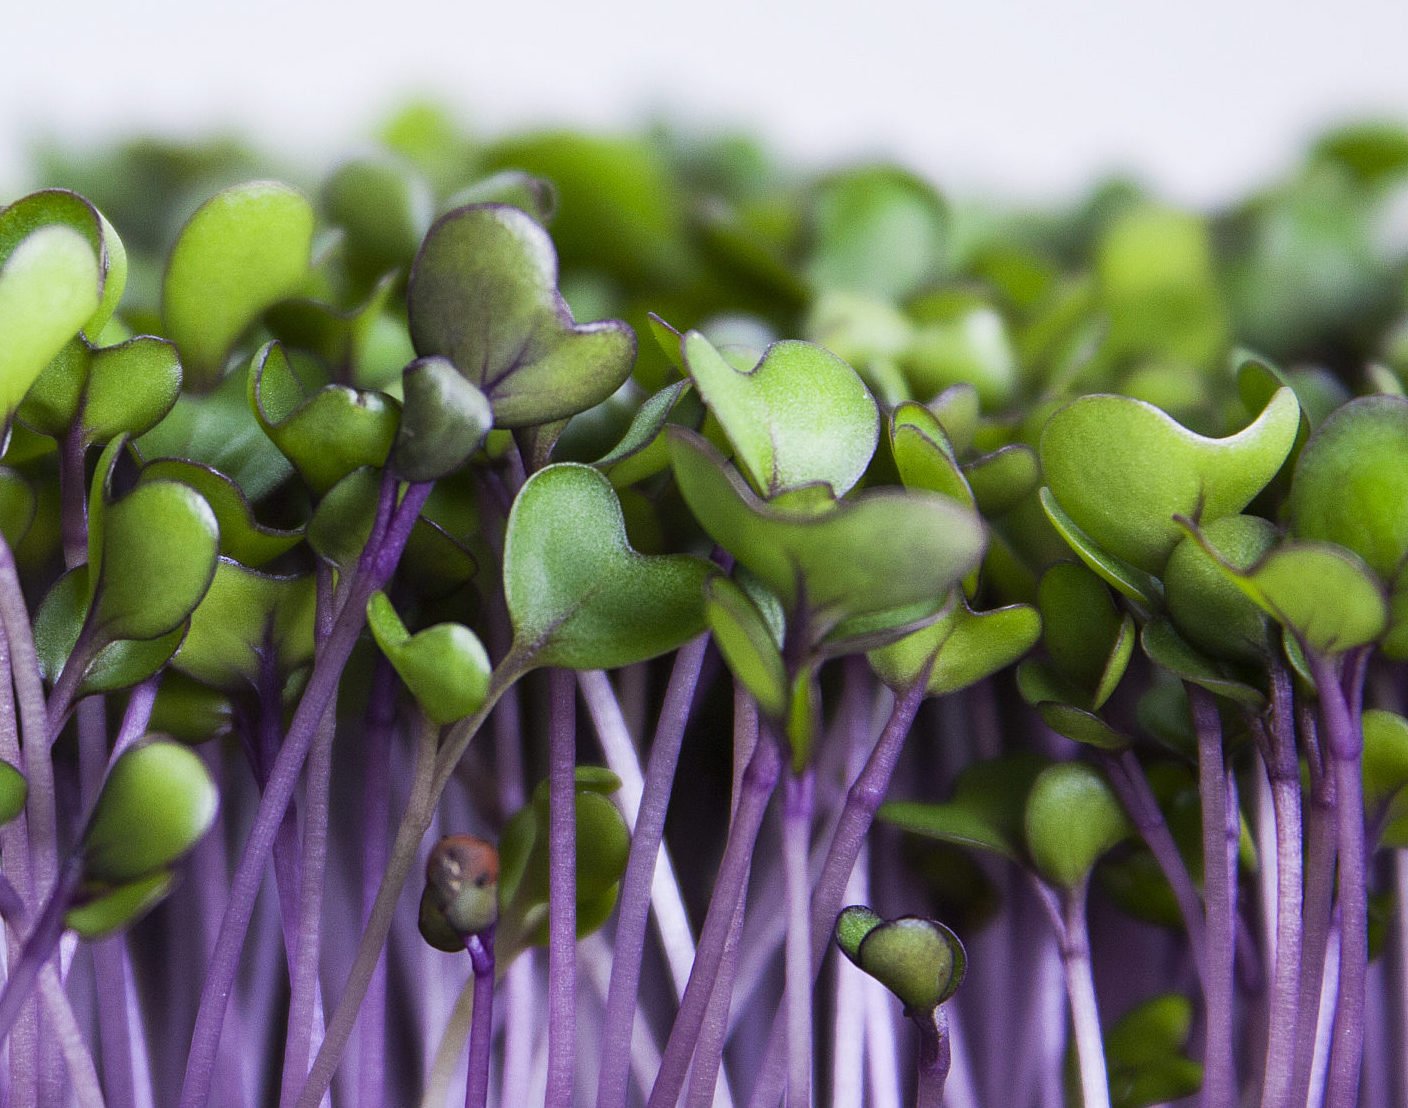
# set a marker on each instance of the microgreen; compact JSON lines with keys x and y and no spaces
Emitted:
{"x":1077,"y":543}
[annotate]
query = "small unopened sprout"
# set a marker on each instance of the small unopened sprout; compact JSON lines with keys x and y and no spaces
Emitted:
{"x":462,"y":883}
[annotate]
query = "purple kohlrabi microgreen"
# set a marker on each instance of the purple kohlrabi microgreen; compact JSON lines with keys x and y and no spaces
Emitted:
{"x":562,"y":887}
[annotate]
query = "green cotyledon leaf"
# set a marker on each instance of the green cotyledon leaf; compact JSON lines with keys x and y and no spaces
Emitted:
{"x":483,"y":294}
{"x":1122,"y":469}
{"x":579,"y":596}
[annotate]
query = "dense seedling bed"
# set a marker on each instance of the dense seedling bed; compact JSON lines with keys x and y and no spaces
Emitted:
{"x":615,"y":621}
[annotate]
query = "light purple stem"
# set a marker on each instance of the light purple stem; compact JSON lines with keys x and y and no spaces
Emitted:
{"x":39,"y":946}
{"x":1219,"y":892}
{"x":376,"y":826}
{"x":136,"y":718}
{"x":73,"y":496}
{"x":1085,"y":1012}
{"x":307,"y":950}
{"x":1283,"y":773}
{"x":713,"y":1035}
{"x":481,"y":1027}
{"x":634,"y":900}
{"x":1344,"y":746}
{"x":863,"y":800}
{"x":562,"y":887}
{"x":934,"y":1057}
{"x":1317,"y":907}
{"x":797,"y":810}
{"x":14,"y":848}
{"x":1130,"y":784}
{"x":758,"y":784}
{"x":374,"y":569}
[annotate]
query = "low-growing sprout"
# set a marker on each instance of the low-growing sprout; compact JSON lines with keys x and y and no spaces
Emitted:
{"x":919,"y":960}
{"x":461,"y":896}
{"x":445,"y":666}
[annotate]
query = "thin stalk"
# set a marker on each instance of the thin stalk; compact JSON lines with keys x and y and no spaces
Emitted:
{"x":1317,"y":906}
{"x":797,"y":809}
{"x":420,"y":810}
{"x":73,"y":496}
{"x":39,"y":946}
{"x":562,"y":887}
{"x":109,"y":955}
{"x":1130,"y":784}
{"x":306,"y":954}
{"x":376,"y":829}
{"x":863,"y":800}
{"x":713,"y":1035}
{"x":635,"y":898}
{"x":377,"y":563}
{"x":758,"y":784}
{"x":481,"y":1030}
{"x":1219,"y":891}
{"x":1345,"y":746}
{"x":14,"y":848}
{"x":1283,"y":773}
{"x":60,"y":1019}
{"x":934,"y":1057}
{"x":666,"y":900}
{"x":1085,"y":1013}
{"x":136,"y":718}
{"x":448,"y":1049}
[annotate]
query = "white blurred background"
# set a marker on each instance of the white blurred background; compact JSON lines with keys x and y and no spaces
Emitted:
{"x":1031,"y":98}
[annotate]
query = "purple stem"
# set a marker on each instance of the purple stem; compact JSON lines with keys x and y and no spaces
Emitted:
{"x":481,"y":1028}
{"x":136,"y":718}
{"x":1085,"y":1013}
{"x":1344,"y":744}
{"x":1283,"y":773}
{"x":109,"y":957}
{"x":758,"y":784}
{"x":797,"y":810}
{"x":634,"y":901}
{"x":1127,"y":778}
{"x":306,"y":952}
{"x":14,"y":848}
{"x":934,"y":1057}
{"x":375,"y":567}
{"x":562,"y":886}
{"x":1317,"y":905}
{"x":1219,"y":892}
{"x":73,"y":496}
{"x":862,"y":802}
{"x":713,"y":1035}
{"x":376,"y":826}
{"x":39,"y":946}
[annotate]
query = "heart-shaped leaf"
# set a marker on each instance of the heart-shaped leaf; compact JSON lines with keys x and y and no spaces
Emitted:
{"x":1351,"y":485}
{"x":925,"y":456}
{"x":919,"y":960}
{"x":1320,"y":592}
{"x":1072,"y":818}
{"x":986,"y":811}
{"x":827,"y":565}
{"x":1003,"y":479}
{"x":800,"y":416}
{"x":1122,"y":469}
{"x":444,"y":419}
{"x":242,"y":250}
{"x":1164,"y":646}
{"x":579,"y":596}
{"x":445,"y":666}
{"x":327,"y":435}
{"x":959,"y":648}
{"x":156,"y":803}
{"x":244,"y":617}
{"x":50,"y":285}
{"x":483,"y":294}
